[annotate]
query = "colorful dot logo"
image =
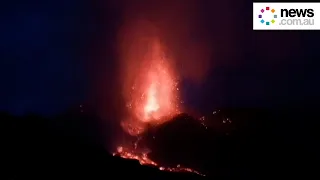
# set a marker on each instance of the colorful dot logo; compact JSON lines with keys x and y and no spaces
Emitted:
{"x":264,"y":15}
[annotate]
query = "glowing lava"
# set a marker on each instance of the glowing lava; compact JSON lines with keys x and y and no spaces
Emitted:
{"x":152,"y":97}
{"x":157,"y":89}
{"x":152,"y":104}
{"x":154,"y":92}
{"x":145,"y":160}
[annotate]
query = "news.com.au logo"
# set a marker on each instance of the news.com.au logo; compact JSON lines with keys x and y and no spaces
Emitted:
{"x":286,"y":16}
{"x":265,"y":11}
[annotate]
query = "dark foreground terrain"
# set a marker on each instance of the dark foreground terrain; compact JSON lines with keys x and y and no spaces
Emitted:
{"x":254,"y":144}
{"x":39,"y":148}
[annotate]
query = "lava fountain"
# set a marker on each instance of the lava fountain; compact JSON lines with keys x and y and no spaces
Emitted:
{"x":150,"y":89}
{"x":153,"y":98}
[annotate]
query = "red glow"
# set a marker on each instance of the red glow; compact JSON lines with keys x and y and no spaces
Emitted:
{"x":154,"y":93}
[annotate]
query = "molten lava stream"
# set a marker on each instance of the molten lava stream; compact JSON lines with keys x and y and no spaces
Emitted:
{"x":145,"y":160}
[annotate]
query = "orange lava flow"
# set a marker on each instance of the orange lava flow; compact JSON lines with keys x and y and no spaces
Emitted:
{"x":145,"y":160}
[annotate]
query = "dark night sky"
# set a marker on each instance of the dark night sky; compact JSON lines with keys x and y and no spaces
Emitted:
{"x":58,"y":54}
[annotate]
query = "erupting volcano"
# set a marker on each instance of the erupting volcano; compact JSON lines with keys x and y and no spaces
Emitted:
{"x":152,"y":96}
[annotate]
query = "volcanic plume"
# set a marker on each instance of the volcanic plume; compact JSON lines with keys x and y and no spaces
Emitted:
{"x":150,"y":83}
{"x":160,"y":43}
{"x":150,"y":88}
{"x":153,"y":94}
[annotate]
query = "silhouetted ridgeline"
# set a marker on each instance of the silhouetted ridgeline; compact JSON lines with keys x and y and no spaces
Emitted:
{"x":254,"y":144}
{"x":39,"y":148}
